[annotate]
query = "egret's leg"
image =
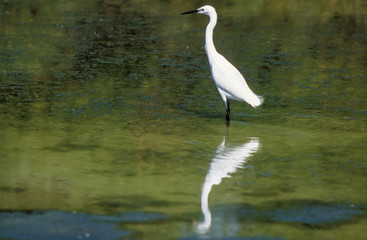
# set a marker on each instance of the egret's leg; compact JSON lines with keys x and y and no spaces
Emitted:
{"x":226,"y":104}
{"x":228,"y":111}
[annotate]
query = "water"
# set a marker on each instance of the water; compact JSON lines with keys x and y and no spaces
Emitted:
{"x":111,"y":127}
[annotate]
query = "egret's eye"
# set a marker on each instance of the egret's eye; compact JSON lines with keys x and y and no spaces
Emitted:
{"x":202,"y":9}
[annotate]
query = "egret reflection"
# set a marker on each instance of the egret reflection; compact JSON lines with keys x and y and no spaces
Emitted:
{"x":226,"y":161}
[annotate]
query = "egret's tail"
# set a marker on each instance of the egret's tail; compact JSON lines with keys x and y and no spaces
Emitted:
{"x":256,"y":101}
{"x":261,"y":100}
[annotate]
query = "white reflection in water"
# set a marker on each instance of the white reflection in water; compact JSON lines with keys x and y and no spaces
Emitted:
{"x":225,"y":162}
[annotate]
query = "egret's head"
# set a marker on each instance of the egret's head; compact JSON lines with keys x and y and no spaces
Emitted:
{"x":207,"y":10}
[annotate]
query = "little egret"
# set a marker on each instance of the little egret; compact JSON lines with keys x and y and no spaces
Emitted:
{"x":229,"y":81}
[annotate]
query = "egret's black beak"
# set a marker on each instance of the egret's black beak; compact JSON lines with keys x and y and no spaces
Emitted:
{"x":192,"y":11}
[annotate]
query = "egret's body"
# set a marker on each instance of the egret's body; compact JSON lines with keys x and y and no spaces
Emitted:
{"x":229,"y":81}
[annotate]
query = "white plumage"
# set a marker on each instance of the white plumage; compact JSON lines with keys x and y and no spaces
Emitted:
{"x":224,"y":72}
{"x":229,"y":81}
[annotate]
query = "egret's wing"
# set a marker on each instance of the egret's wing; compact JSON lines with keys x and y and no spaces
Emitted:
{"x":230,"y":80}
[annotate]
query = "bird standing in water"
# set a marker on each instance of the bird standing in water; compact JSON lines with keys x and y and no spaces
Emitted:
{"x":229,"y":81}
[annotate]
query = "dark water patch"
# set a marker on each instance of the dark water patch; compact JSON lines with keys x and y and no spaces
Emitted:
{"x":307,"y":213}
{"x":315,"y":213}
{"x":61,"y":225}
{"x":136,"y":217}
{"x":12,"y":189}
{"x":17,"y":87}
{"x":232,"y":238}
{"x":69,"y":225}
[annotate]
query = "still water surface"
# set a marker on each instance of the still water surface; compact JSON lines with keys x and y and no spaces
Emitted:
{"x":111,"y":127}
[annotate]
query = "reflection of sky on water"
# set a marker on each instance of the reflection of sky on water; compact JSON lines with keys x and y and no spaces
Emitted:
{"x":225,"y":162}
{"x":310,"y":213}
{"x":61,"y":225}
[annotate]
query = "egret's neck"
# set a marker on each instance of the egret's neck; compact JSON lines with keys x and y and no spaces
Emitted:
{"x":209,"y":44}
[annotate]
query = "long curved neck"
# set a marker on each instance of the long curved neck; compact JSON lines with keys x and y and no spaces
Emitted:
{"x":209,"y":44}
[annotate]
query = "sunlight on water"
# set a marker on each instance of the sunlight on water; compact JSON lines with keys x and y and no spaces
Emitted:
{"x":112,"y":126}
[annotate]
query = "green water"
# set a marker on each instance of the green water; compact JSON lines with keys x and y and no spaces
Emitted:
{"x":111,"y":125}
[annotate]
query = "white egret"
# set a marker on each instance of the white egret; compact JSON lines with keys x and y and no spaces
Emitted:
{"x":229,"y":81}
